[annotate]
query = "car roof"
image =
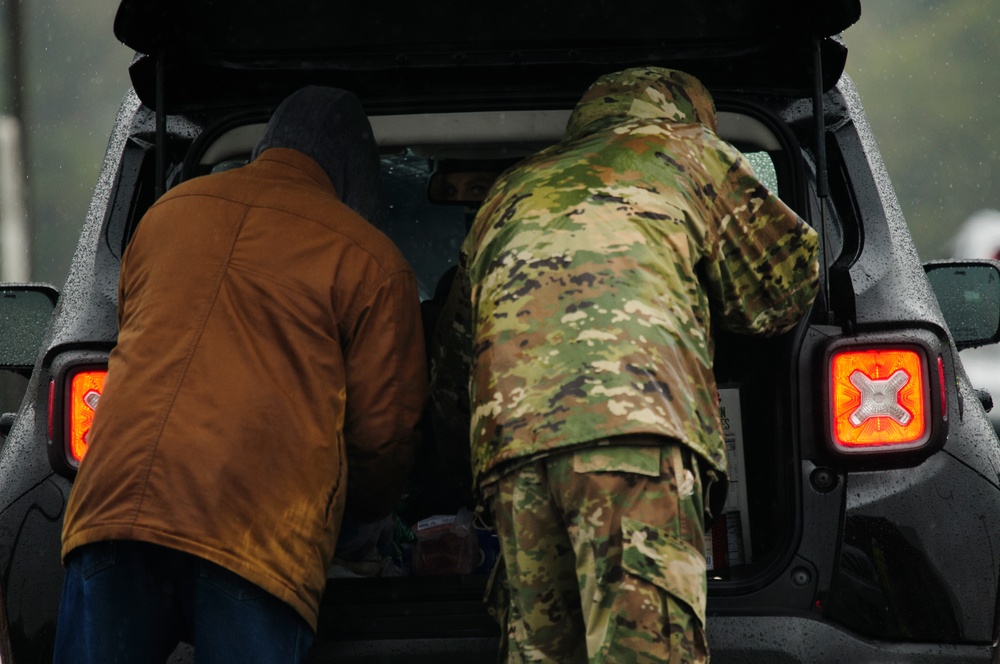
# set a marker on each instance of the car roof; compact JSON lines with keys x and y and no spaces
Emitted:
{"x":437,"y":56}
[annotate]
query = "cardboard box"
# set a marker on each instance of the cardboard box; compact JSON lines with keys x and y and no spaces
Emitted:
{"x":728,"y":542}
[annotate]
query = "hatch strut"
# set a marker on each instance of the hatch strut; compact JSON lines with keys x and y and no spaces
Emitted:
{"x":822,"y":182}
{"x":161,"y":125}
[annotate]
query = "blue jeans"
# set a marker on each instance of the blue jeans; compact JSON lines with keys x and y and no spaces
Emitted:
{"x":133,"y":602}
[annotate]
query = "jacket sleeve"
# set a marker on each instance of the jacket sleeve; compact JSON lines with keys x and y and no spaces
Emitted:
{"x":386,"y":368}
{"x":761,"y":269}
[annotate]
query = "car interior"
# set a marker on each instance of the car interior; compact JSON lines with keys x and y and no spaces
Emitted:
{"x":428,"y":222}
{"x":429,"y":232}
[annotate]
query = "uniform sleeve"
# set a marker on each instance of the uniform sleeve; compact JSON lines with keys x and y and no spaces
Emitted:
{"x":387,"y":389}
{"x":761,"y":268}
{"x":451,"y":364}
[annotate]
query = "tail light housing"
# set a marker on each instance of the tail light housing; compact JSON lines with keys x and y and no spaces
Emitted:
{"x":73,"y":398}
{"x":884,"y":399}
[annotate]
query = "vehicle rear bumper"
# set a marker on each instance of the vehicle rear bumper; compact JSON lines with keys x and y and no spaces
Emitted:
{"x":412,"y":651}
{"x":771,"y":639}
{"x":785,"y":639}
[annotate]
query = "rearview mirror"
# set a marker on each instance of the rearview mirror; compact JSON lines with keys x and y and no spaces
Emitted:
{"x":464,"y":181}
{"x":968,"y":292}
{"x":459,"y":188}
{"x":25,"y":310}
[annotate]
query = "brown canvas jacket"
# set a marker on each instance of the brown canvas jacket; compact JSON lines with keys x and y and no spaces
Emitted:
{"x":270,"y":339}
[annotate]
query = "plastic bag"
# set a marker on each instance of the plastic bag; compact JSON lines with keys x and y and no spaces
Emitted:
{"x":385,"y":555}
{"x":446,"y":545}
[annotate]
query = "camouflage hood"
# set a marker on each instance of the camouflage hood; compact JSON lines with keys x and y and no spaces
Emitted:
{"x":642,"y":92}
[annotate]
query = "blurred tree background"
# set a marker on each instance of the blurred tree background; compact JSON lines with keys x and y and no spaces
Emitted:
{"x":74,"y":73}
{"x":923,"y":68}
{"x":926,"y":73}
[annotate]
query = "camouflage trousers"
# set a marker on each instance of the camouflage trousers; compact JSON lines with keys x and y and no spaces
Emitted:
{"x":603,"y":555}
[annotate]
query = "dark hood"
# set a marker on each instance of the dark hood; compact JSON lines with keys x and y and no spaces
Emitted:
{"x":642,"y":92}
{"x":329,"y":125}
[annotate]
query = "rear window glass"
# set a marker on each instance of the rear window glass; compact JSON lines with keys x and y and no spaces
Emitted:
{"x":430,"y":235}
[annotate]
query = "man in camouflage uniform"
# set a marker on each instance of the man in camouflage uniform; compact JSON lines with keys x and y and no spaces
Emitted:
{"x":579,"y":325}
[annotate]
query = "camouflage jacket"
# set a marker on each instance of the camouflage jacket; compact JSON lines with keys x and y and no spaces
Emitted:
{"x":592,"y":274}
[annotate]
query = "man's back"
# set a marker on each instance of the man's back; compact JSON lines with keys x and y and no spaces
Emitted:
{"x":223,"y":419}
{"x":595,"y":267}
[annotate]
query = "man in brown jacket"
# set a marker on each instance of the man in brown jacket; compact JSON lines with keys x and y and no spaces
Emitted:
{"x":269,"y":370}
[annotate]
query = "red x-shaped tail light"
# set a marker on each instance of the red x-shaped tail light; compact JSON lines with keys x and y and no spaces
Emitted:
{"x":72,"y":403}
{"x":880,"y":399}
